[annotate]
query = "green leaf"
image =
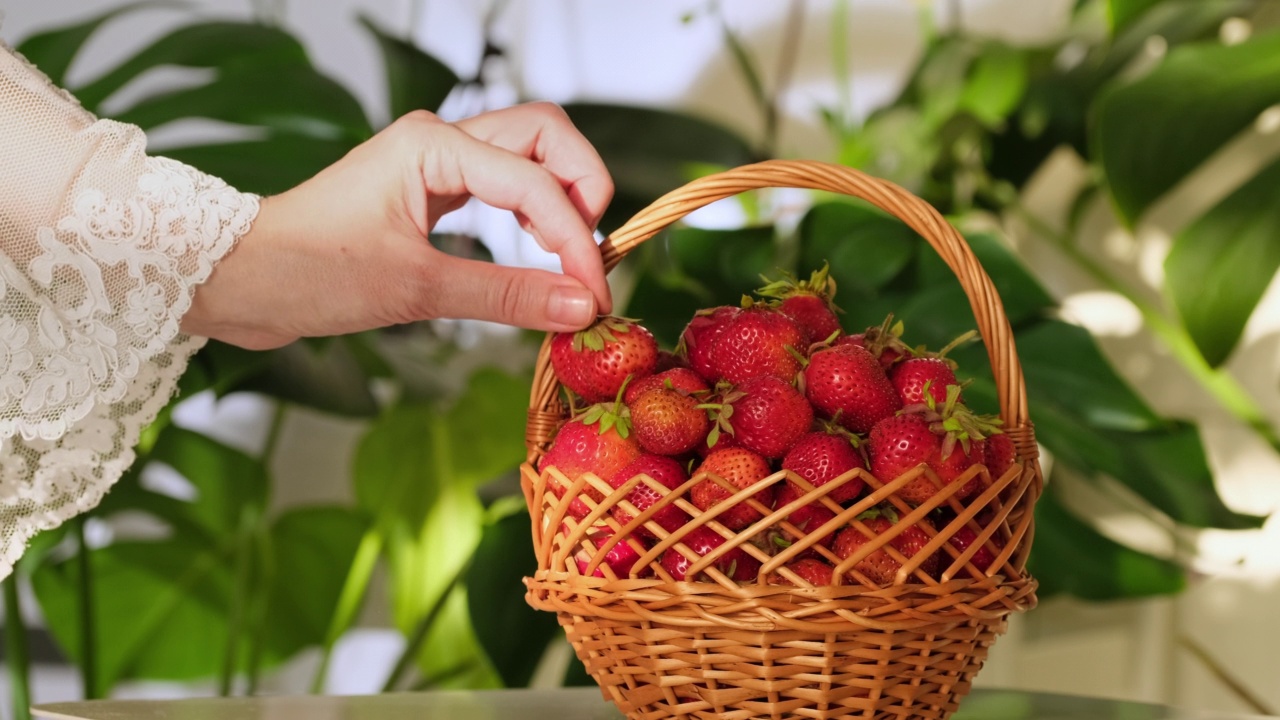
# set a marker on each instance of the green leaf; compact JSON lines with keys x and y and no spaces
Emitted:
{"x":1070,"y":557}
{"x":486,"y":428}
{"x":219,"y":367}
{"x":265,"y":167}
{"x":393,"y":472}
{"x":865,"y":247}
{"x":1062,"y":363}
{"x":213,"y":45}
{"x":650,"y":152}
{"x":312,"y":549}
{"x":53,"y":51}
{"x":687,"y":268}
{"x":289,"y":98}
{"x":225,"y":479}
{"x":1122,"y":12}
{"x":328,"y":379}
{"x":514,"y":635}
{"x":995,"y":84}
{"x":415,"y":80}
{"x":159,"y":608}
{"x":1200,"y":97}
{"x":1220,"y":266}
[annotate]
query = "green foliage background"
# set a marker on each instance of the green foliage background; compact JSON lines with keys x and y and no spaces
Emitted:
{"x":233,"y":589}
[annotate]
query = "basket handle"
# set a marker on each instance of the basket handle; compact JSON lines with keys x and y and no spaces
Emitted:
{"x":993,"y":324}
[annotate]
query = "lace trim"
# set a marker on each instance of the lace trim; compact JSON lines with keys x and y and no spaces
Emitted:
{"x":93,"y":351}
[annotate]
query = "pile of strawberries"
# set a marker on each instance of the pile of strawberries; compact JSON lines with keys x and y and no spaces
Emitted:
{"x":772,"y":385}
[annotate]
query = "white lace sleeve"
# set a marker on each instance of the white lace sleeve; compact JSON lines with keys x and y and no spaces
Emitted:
{"x":101,"y":247}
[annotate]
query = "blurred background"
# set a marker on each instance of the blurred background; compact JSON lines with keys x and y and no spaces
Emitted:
{"x":344,"y":515}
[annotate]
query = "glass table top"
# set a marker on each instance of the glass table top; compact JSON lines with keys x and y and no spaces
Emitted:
{"x":559,"y":704}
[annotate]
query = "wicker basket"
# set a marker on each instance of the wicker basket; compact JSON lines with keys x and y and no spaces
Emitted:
{"x":666,"y":649}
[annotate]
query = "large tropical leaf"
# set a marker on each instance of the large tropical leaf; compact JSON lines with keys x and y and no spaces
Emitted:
{"x":1200,"y":97}
{"x":1220,"y":265}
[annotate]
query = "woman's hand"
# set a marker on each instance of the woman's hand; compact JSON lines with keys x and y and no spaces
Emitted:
{"x":347,"y":250}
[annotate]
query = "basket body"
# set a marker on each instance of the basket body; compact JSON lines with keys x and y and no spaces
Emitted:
{"x":773,"y":645}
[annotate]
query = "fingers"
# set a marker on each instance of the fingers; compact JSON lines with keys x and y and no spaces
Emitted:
{"x":533,"y":299}
{"x":461,"y":163}
{"x":543,"y":133}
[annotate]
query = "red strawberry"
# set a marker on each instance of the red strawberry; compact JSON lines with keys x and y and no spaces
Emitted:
{"x":810,"y":303}
{"x":764,"y":414}
{"x":811,"y":570}
{"x":883,"y":342}
{"x":699,"y":338}
{"x":741,"y":468}
{"x":621,"y":558}
{"x":806,"y":518}
{"x":669,"y":473}
{"x":846,"y":383}
{"x":758,"y":341}
{"x":879,"y":567}
{"x":599,"y":441}
{"x":595,"y":362}
{"x":683,"y":379}
{"x":981,"y":559}
{"x":1000,"y":455}
{"x":911,"y":376}
{"x":737,"y":563}
{"x":943,"y":441}
{"x":821,"y":457}
{"x":668,"y":422}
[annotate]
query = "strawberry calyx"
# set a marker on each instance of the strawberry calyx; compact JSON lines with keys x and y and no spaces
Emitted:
{"x":960,"y":340}
{"x":887,"y":337}
{"x":820,"y":284}
{"x":601,"y":332}
{"x":833,"y":427}
{"x":954,"y":420}
{"x":721,"y":412}
{"x":614,"y":415}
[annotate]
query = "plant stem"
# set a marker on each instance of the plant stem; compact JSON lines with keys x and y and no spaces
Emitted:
{"x":786,"y":65}
{"x":1216,"y":381}
{"x":260,"y":611}
{"x":256,"y":544}
{"x":239,"y":598}
{"x":420,"y":632}
{"x":746,"y":65}
{"x":88,"y":631}
{"x":19,"y":660}
{"x":1255,"y":703}
{"x":350,"y":600}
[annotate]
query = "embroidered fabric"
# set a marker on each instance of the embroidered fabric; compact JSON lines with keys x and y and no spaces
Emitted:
{"x":101,"y":248}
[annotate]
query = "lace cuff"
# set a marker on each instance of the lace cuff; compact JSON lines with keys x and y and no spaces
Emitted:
{"x":101,"y":248}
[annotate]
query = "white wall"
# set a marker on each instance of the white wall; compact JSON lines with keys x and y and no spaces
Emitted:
{"x":642,"y":52}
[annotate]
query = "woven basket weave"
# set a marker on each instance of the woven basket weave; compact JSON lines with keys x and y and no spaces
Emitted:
{"x":665,"y":649}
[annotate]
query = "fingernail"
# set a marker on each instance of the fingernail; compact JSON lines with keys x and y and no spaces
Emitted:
{"x":571,"y":306}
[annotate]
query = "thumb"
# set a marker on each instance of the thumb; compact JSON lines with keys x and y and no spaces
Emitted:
{"x":533,"y":299}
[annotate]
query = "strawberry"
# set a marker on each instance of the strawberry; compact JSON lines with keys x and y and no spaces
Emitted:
{"x":883,"y":342}
{"x":741,"y":468}
{"x":699,"y":338}
{"x":823,"y":456}
{"x":949,"y":441}
{"x":598,"y":441}
{"x":737,"y":563}
{"x":1000,"y":455}
{"x":595,"y":362}
{"x":981,"y":559}
{"x":806,"y":518}
{"x":879,"y":567}
{"x":810,"y":303}
{"x":669,"y":473}
{"x":683,"y":379}
{"x":846,"y":383}
{"x":668,"y":422}
{"x":764,"y":414}
{"x":621,"y":558}
{"x":758,"y":341}
{"x":811,"y":570}
{"x":911,"y":376}
{"x":927,"y":370}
